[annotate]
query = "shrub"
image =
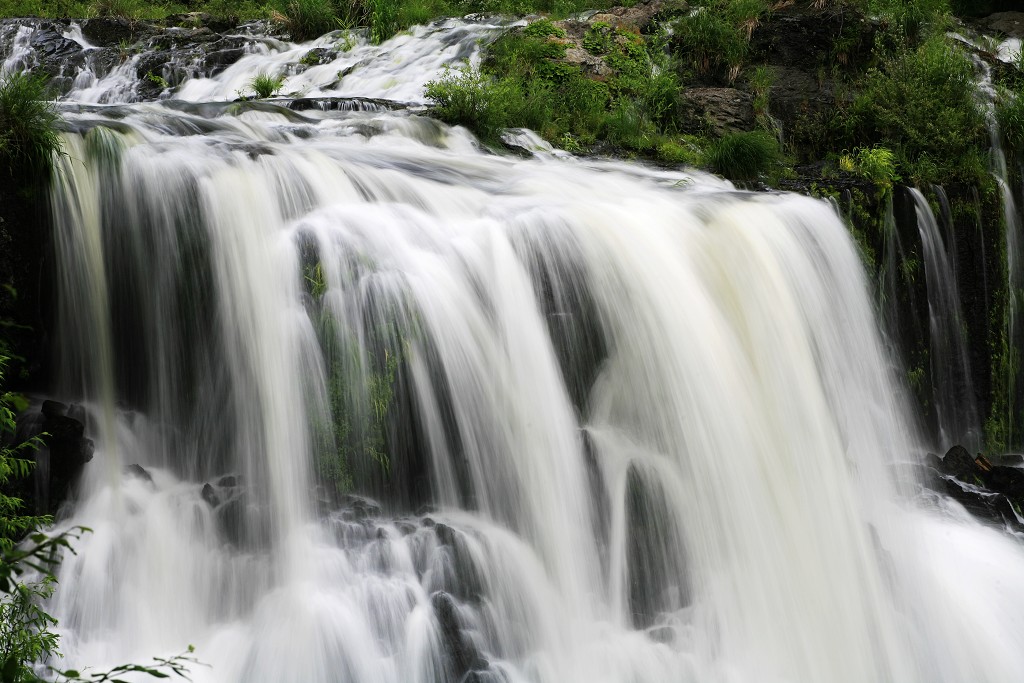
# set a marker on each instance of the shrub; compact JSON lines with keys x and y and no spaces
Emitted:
{"x":468,"y":98}
{"x":265,"y":85}
{"x":922,"y":104}
{"x":29,"y":138}
{"x":744,"y":156}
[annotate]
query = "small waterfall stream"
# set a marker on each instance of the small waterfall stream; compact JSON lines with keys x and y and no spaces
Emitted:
{"x":952,"y":387}
{"x":410,"y":411}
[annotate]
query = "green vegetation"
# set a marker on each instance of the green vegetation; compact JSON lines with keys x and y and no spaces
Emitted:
{"x":29,"y":137}
{"x":922,"y":104}
{"x":713,"y":39}
{"x":27,"y":636}
{"x":352,"y":449}
{"x":875,"y":164}
{"x":265,"y":85}
{"x":745,"y":156}
{"x":527,"y":82}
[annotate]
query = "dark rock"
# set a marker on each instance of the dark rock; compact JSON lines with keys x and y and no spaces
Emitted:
{"x":977,"y":501}
{"x":958,"y":462}
{"x":210,"y":496}
{"x":1006,"y":480}
{"x":358,"y":507}
{"x":933,"y":461}
{"x":1007,"y":459}
{"x":1005,"y":509}
{"x":468,"y":584}
{"x":806,"y":38}
{"x":54,"y":409}
{"x":319,"y":55}
{"x":462,"y":654}
{"x":228,"y":481}
{"x":137,"y":470}
{"x":717,"y":110}
{"x":108,"y":31}
{"x":1010,"y":24}
{"x":76,"y":412}
{"x":51,"y":45}
{"x":67,"y":451}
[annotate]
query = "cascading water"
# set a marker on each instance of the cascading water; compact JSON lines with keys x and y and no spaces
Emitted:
{"x":606,"y":423}
{"x":1012,"y":386}
{"x":952,"y":388}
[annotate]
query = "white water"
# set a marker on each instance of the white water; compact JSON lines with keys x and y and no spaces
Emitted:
{"x":952,"y":388}
{"x":653,"y":413}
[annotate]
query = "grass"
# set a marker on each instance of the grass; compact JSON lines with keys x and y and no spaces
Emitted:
{"x":29,"y":137}
{"x":265,"y":85}
{"x":745,"y":156}
{"x":712,"y":39}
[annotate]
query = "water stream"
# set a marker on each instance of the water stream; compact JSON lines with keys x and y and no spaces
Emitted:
{"x":410,"y":411}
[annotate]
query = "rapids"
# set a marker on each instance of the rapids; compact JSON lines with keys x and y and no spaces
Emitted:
{"x":468,"y":416}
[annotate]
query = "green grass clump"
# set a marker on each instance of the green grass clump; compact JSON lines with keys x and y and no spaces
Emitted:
{"x":745,"y":156}
{"x":29,"y":137}
{"x":712,"y":39}
{"x":265,"y":85}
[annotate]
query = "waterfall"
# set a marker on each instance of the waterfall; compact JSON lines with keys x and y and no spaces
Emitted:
{"x":375,"y":404}
{"x":1014,"y":333}
{"x":952,"y":387}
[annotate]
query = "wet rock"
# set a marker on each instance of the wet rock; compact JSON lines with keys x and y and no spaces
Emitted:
{"x":54,"y":409}
{"x":49,"y":44}
{"x":243,"y":524}
{"x":319,"y":55}
{"x":1010,"y":24}
{"x":138,"y":471}
{"x":359,"y":508}
{"x":229,"y":481}
{"x":1008,"y":481}
{"x":467,"y":582}
{"x":718,"y":110}
{"x":210,"y":496}
{"x":108,"y":31}
{"x":958,"y":462}
{"x":67,"y":451}
{"x":462,"y":654}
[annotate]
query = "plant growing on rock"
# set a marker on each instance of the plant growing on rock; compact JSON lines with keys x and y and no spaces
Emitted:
{"x":265,"y":85}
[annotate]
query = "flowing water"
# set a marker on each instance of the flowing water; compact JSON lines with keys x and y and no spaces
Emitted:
{"x":952,"y":388}
{"x":410,"y":411}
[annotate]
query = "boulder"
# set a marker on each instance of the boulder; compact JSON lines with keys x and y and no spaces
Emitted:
{"x":717,"y":110}
{"x":210,"y":496}
{"x":958,"y":462}
{"x":138,"y":471}
{"x":462,"y":654}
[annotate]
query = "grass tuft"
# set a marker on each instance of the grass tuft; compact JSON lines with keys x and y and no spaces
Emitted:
{"x":745,"y":156}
